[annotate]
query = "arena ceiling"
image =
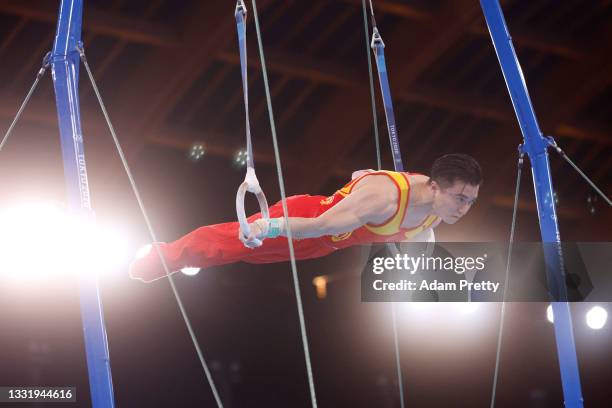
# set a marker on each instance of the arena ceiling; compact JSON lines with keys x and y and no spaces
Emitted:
{"x":169,"y":73}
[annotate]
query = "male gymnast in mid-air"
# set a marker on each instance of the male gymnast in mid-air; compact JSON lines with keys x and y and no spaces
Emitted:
{"x":374,"y":207}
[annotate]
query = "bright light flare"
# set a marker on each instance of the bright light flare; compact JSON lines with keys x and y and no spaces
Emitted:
{"x":144,"y":251}
{"x":549,"y":314}
{"x":596,"y":317}
{"x":410,"y":306}
{"x":320,"y":284}
{"x":466,"y":307}
{"x":42,"y":240}
{"x":190,"y":271}
{"x":442,"y":308}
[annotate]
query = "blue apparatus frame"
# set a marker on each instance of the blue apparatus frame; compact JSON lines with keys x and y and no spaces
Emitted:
{"x":536,"y":145}
{"x":378,"y":46}
{"x":65,"y":63}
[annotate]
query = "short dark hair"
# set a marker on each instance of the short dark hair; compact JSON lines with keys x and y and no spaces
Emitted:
{"x":448,"y":169}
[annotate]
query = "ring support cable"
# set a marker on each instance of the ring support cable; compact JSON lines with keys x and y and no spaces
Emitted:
{"x":502,"y":319}
{"x":378,"y":46}
{"x":250,"y":183}
{"x":281,"y":184}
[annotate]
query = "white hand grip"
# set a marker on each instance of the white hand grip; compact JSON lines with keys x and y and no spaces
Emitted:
{"x":250,"y":184}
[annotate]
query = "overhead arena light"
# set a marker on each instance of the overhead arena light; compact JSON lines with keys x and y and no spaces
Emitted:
{"x":241,"y":158}
{"x":596,"y":317}
{"x":196,"y":152}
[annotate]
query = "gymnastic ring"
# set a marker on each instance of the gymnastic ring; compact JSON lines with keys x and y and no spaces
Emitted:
{"x":251,"y":185}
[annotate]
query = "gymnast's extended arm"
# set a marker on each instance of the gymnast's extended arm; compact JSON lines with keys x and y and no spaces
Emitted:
{"x":359,"y":208}
{"x":362,"y":206}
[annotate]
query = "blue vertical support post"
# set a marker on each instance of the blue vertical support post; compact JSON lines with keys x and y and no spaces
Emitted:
{"x":65,"y":69}
{"x":536,"y":145}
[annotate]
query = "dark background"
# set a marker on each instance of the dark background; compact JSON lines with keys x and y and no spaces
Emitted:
{"x":169,"y":74}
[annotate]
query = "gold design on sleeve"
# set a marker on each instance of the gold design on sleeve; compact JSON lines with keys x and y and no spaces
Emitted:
{"x":328,"y":200}
{"x":341,"y":237}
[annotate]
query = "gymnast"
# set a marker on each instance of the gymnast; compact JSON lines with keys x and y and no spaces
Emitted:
{"x":374,"y":207}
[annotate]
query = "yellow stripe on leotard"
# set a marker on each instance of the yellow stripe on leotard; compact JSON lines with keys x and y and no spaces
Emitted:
{"x":392,"y":226}
{"x":426,"y":224}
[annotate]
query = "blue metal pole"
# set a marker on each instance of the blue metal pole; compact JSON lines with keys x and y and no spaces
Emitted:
{"x":535,"y":146}
{"x":65,"y":68}
{"x":379,"y":50}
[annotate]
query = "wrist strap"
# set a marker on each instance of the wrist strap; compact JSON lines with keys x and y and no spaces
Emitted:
{"x":274,"y":227}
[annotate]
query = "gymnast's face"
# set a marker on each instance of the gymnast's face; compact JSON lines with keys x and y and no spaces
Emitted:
{"x":452,"y":202}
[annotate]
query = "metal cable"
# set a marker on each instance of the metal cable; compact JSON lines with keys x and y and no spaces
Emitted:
{"x":281,"y":184}
{"x":245,"y":87}
{"x":507,"y":279}
{"x":371,"y":75}
{"x":372,"y":15}
{"x":151,"y":231}
{"x":398,"y":366}
{"x":39,"y":75}
{"x":579,"y":171}
{"x":391,"y":247}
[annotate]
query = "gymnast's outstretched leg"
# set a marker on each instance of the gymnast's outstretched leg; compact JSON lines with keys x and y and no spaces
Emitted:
{"x":218,"y":244}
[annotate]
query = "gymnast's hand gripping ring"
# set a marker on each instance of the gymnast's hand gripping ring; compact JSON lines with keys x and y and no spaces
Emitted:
{"x":250,"y":184}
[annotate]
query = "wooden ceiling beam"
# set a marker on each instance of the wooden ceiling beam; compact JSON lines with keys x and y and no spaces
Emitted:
{"x":41,"y":112}
{"x":334,"y":74}
{"x":99,"y":21}
{"x":144,"y":100}
{"x":397,"y":8}
{"x":473,"y":105}
{"x":583,"y":131}
{"x":300,"y":66}
{"x":344,"y":123}
{"x":572,"y":84}
{"x":522,"y":36}
{"x":12,"y":34}
{"x":181,"y":139}
{"x":562,"y":85}
{"x":206,"y":31}
{"x":528,"y":38}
